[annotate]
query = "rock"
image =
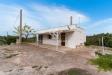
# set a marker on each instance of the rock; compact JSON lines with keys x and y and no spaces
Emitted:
{"x":2,"y":73}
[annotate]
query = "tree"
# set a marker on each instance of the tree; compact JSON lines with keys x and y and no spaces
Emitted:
{"x":26,"y":31}
{"x":96,"y":39}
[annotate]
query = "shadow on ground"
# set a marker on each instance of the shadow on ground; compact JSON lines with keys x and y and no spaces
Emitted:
{"x":74,"y":71}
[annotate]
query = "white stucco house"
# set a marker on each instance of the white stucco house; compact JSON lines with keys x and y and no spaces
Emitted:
{"x":69,"y":36}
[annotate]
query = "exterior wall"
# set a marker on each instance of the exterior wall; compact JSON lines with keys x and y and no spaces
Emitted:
{"x":72,"y":39}
{"x":46,"y":40}
{"x":76,"y":38}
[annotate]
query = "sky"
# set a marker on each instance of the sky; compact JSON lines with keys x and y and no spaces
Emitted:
{"x":95,"y":16}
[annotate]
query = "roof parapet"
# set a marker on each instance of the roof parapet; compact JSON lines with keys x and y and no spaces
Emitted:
{"x":67,"y":28}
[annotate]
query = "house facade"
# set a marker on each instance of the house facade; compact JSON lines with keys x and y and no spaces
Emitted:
{"x":69,"y":36}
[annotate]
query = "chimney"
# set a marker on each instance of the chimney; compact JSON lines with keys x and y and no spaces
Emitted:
{"x":71,"y":18}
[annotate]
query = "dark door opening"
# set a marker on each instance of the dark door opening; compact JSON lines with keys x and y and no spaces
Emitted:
{"x":40,"y":39}
{"x":62,"y":39}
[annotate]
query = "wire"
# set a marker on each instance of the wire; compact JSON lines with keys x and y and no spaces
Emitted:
{"x":16,"y":20}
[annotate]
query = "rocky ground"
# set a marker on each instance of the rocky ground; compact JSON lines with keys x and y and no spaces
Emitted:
{"x":30,"y":60}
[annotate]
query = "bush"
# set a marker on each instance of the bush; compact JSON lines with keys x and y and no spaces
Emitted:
{"x":29,"y":40}
{"x":11,"y":39}
{"x":7,"y":40}
{"x":2,"y":41}
{"x":104,"y":62}
{"x":97,"y":40}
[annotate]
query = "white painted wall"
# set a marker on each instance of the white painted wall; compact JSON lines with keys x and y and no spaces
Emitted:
{"x":46,"y":40}
{"x":72,"y":39}
{"x":76,"y":38}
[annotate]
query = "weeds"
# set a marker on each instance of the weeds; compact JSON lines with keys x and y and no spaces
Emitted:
{"x":103,"y":62}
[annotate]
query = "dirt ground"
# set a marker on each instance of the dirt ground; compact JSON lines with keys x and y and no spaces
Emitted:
{"x":31,"y":60}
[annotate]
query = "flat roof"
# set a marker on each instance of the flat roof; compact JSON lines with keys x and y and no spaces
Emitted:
{"x":67,"y":28}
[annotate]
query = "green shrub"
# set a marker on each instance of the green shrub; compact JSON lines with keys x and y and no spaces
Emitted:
{"x":29,"y":40}
{"x":11,"y":39}
{"x":7,"y":40}
{"x":97,"y":40}
{"x":103,"y":62}
{"x":4,"y":40}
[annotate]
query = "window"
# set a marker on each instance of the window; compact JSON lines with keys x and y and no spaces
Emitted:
{"x":49,"y":37}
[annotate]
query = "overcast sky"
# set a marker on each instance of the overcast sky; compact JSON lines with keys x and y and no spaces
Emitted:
{"x":94,"y":15}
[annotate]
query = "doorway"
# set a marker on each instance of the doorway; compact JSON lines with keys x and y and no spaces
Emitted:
{"x":40,"y":39}
{"x":62,"y":39}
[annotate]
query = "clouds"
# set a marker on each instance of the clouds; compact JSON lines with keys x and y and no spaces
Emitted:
{"x":102,"y":26}
{"x":56,"y":16}
{"x":7,"y":17}
{"x":45,"y":16}
{"x":38,"y":16}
